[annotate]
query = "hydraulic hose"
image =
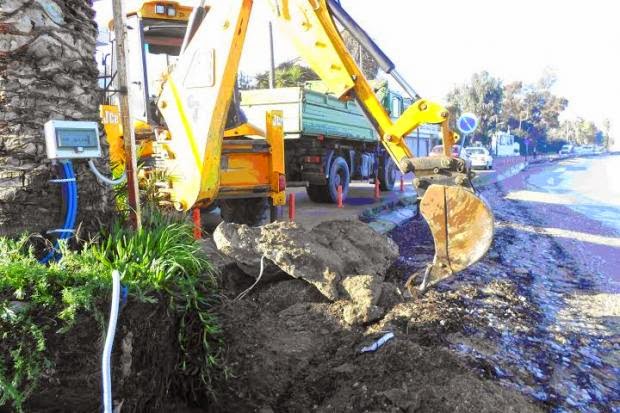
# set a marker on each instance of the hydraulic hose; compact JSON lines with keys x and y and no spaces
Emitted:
{"x":104,"y":179}
{"x":106,"y":373}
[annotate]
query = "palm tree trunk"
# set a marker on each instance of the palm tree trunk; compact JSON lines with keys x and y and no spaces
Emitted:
{"x":47,"y":71}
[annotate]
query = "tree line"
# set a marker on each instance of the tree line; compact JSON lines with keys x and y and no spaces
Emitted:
{"x":529,"y":111}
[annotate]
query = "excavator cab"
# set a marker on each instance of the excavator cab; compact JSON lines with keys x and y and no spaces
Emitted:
{"x":251,"y":168}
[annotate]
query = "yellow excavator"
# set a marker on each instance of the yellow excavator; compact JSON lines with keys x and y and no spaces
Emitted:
{"x":193,"y":127}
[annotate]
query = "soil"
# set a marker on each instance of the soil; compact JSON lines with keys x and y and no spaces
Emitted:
{"x":511,"y":333}
{"x":145,"y":359}
{"x":288,"y":349}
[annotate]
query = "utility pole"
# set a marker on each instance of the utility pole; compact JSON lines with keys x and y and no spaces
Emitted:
{"x":129,"y":139}
{"x":272,"y":69}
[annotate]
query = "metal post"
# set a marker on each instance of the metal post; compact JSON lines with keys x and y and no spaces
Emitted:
{"x":197,"y":223}
{"x":272,"y":68}
{"x":129,"y":139}
{"x":291,"y":206}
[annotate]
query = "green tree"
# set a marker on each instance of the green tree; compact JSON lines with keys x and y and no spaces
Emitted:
{"x":244,"y":81}
{"x":606,"y":133}
{"x":288,"y":74}
{"x":532,"y":111}
{"x":578,"y":131}
{"x":483,"y":96}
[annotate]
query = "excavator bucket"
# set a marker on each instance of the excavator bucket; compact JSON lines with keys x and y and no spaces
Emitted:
{"x":462,"y":226}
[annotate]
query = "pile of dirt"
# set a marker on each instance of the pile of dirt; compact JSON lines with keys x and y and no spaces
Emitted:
{"x":346,"y":261}
{"x":292,"y":347}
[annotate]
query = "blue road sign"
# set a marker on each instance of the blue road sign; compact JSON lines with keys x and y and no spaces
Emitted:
{"x":467,"y":123}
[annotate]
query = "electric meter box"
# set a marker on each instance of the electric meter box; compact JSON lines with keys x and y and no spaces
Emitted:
{"x":72,"y":139}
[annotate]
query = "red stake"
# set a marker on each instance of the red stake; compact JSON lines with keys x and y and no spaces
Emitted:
{"x":197,"y":224}
{"x":377,"y":191}
{"x":291,"y":207}
{"x":402,"y":184}
{"x":340,"y":205}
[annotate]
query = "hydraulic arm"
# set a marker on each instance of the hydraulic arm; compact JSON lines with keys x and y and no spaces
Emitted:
{"x":197,"y":95}
{"x":461,"y":222}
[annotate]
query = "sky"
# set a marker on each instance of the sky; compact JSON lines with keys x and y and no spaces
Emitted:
{"x":437,"y":45}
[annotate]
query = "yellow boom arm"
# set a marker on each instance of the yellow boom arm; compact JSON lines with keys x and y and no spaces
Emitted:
{"x":310,"y":26}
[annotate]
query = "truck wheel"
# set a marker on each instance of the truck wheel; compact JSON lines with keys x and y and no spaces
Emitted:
{"x":248,"y":211}
{"x":338,"y":175}
{"x":318,"y":193}
{"x":387,"y":174}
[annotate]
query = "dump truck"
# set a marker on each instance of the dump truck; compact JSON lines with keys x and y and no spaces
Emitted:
{"x":201,"y":140}
{"x":329,"y":142}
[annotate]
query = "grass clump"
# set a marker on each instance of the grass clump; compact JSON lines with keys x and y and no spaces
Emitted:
{"x":161,"y":261}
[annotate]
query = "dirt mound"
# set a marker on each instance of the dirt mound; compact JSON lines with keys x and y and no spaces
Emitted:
{"x":324,"y":256}
{"x":294,"y":344}
{"x":290,"y":350}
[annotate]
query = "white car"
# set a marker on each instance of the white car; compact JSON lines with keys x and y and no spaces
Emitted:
{"x":479,"y":157}
{"x":567,"y":150}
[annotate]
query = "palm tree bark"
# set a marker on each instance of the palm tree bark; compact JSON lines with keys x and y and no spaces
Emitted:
{"x":47,"y":71}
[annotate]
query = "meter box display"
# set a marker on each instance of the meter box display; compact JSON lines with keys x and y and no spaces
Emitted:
{"x":72,"y":139}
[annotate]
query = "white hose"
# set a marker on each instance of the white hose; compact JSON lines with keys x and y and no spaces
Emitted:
{"x":260,"y":275}
{"x":105,"y":179}
{"x":109,"y":341}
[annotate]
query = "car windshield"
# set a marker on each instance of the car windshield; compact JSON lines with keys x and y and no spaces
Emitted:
{"x":475,"y":151}
{"x":437,"y":149}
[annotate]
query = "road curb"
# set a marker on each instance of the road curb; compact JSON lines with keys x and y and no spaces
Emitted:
{"x":390,"y":214}
{"x":481,"y":181}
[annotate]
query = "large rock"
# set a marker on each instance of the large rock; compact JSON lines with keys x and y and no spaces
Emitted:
{"x":323,"y":256}
{"x":363,"y":293}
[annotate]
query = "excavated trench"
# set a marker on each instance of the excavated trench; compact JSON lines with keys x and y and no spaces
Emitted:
{"x":294,"y":344}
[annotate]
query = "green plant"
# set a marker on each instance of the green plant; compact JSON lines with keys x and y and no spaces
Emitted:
{"x":35,"y":299}
{"x":162,"y":260}
{"x":163,"y":256}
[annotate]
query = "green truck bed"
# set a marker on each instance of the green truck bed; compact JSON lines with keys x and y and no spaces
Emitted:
{"x":308,"y":113}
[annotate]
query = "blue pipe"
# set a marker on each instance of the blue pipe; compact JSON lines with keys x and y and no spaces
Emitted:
{"x":71,"y":211}
{"x":74,"y":199}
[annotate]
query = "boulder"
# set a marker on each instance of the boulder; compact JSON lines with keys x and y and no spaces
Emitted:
{"x":363,"y":293}
{"x":324,"y":256}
